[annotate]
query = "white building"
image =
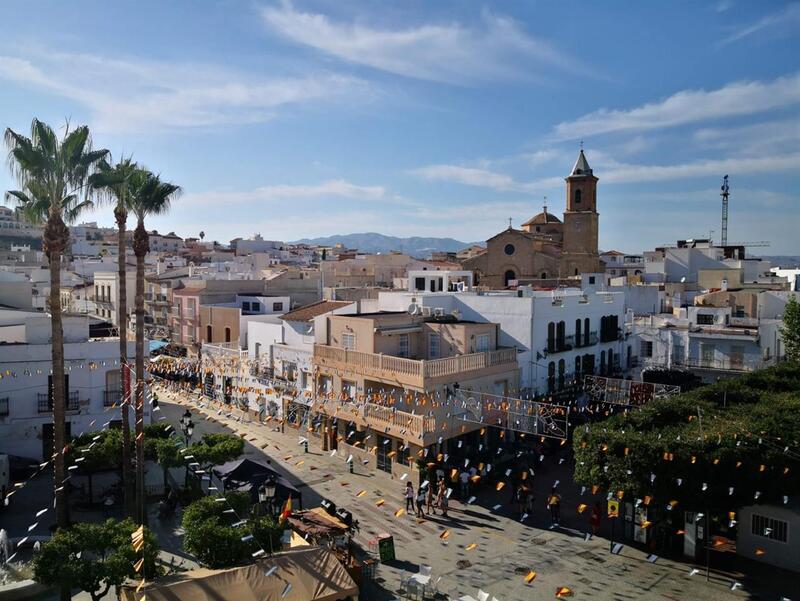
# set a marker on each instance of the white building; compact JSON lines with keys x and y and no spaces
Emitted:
{"x":11,"y":225}
{"x":165,"y":243}
{"x":560,"y":335}
{"x":773,"y":529}
{"x":91,"y":374}
{"x":106,"y":294}
{"x":621,"y":265}
{"x":709,"y":341}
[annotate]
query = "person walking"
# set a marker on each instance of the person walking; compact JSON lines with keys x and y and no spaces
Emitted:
{"x":443,"y":500}
{"x":554,"y":504}
{"x":521,"y":499}
{"x":420,"y":502}
{"x":464,"y":479}
{"x":431,"y":500}
{"x":409,"y":496}
{"x":594,"y":518}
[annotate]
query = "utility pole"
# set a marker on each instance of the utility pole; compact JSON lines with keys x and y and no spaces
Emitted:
{"x":724,"y":194}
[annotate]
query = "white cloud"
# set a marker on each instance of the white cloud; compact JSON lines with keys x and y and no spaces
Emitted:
{"x":450,"y":52}
{"x":790,"y":15}
{"x":336,"y":188}
{"x":762,"y":138}
{"x":688,"y":106}
{"x":133,"y":95}
{"x":468,"y":176}
{"x":623,"y":173}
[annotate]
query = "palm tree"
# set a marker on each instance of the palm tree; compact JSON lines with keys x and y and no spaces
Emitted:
{"x":113,"y":182}
{"x":53,"y":174}
{"x":149,"y":196}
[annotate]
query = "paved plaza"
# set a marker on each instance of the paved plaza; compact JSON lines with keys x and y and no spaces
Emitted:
{"x":505,"y":550}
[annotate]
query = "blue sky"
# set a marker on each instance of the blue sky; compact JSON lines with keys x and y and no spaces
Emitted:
{"x":444,"y":118}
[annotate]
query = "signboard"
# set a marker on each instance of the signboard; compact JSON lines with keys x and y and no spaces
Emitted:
{"x":613,"y":508}
{"x":386,"y":548}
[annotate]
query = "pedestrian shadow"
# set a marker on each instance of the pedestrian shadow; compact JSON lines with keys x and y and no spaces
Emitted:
{"x":402,"y":564}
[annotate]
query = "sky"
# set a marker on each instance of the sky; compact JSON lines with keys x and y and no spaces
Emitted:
{"x":309,"y":118}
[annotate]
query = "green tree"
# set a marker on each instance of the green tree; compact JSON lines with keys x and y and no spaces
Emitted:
{"x":716,"y":448}
{"x":790,"y":331}
{"x":148,"y":196}
{"x":94,"y":557}
{"x":113,"y":184}
{"x":210,"y":536}
{"x":53,"y":173}
{"x":97,"y":451}
{"x":215,"y":449}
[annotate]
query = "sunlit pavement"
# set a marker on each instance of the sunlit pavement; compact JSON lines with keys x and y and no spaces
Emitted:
{"x":506,"y":550}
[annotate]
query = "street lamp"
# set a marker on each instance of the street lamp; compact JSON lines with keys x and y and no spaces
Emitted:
{"x":187,"y":426}
{"x":266,"y":493}
{"x":186,"y":418}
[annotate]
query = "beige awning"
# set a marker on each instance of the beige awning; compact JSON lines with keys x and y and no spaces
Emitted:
{"x":314,"y":574}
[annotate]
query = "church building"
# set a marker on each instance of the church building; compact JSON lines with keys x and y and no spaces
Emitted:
{"x":546,"y":248}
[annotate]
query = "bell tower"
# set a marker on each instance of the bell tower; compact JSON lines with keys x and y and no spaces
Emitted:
{"x":581,"y":221}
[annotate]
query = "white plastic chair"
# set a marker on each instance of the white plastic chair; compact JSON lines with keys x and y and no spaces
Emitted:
{"x":418,"y":583}
{"x":483,"y":596}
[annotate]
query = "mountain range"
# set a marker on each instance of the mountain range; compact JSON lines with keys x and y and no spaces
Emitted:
{"x":372,"y":242}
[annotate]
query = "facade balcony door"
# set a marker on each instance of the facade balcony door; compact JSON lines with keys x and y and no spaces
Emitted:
{"x":384,"y":461}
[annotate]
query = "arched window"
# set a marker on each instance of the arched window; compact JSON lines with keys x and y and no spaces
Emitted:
{"x":578,"y":340}
{"x":561,"y":335}
{"x":576,"y":271}
{"x":586,"y":332}
{"x":551,"y":336}
{"x":209,"y":331}
{"x":551,"y":376}
{"x":544,"y":275}
{"x":562,"y":366}
{"x":509,"y":275}
{"x":577,"y":197}
{"x":227,"y":334}
{"x":602,"y":363}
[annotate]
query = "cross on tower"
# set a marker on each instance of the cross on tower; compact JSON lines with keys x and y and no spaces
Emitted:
{"x":509,"y":223}
{"x":581,"y":144}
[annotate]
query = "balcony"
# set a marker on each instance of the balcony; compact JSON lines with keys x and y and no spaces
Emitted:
{"x":111,"y":397}
{"x":734,"y":364}
{"x":402,"y":424}
{"x":419,"y":374}
{"x":45,"y":403}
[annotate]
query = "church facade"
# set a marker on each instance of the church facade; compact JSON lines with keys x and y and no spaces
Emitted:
{"x":546,"y":248}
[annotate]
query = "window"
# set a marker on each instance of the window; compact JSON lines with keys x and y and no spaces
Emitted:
{"x":349,"y":341}
{"x":433,"y":346}
{"x":245,"y":306}
{"x":509,"y":276}
{"x":277,"y":306}
{"x":227,"y":334}
{"x":705,"y":319}
{"x":403,"y":346}
{"x":677,"y":354}
{"x":577,"y":197}
{"x":551,"y":337}
{"x":707,"y":354}
{"x":482,"y":343}
{"x":419,"y":283}
{"x":509,"y":249}
{"x":578,"y":340}
{"x":646,"y":348}
{"x":544,"y":275}
{"x":561,"y":333}
{"x":209,"y":332}
{"x":348,"y":389}
{"x":770,"y":528}
{"x":591,"y":279}
{"x":258,"y":350}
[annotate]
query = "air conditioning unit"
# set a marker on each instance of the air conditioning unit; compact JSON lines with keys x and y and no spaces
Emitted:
{"x":438,"y":312}
{"x":426,"y":311}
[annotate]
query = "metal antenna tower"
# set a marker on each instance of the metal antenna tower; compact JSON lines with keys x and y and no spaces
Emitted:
{"x":724,"y":194}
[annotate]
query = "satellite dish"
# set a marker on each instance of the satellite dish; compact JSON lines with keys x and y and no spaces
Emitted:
{"x":683,"y":279}
{"x":413,"y":309}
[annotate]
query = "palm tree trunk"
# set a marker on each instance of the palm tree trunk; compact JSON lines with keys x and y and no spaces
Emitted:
{"x":125,"y":379}
{"x":140,"y":248}
{"x":56,"y":237}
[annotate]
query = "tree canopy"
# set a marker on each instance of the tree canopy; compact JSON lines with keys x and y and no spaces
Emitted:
{"x":719,"y":447}
{"x":94,"y":557}
{"x":790,"y":332}
{"x":209,"y":533}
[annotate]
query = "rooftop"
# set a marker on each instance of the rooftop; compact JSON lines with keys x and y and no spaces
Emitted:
{"x":309,"y":312}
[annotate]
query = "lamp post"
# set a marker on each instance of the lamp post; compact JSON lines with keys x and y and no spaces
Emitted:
{"x":187,"y":427}
{"x":266,"y":496}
